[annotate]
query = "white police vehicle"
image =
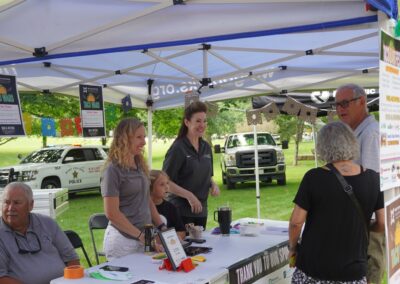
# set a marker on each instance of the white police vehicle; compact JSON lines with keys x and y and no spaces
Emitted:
{"x":77,"y":168}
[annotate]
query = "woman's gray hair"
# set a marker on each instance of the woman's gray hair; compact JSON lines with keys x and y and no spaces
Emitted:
{"x":337,"y":142}
{"x":26,"y":188}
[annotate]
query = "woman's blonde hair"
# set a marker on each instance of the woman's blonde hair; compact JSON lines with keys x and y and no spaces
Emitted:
{"x":154,"y":175}
{"x":120,"y":149}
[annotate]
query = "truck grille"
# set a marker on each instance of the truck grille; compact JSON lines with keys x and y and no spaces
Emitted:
{"x":266,"y":158}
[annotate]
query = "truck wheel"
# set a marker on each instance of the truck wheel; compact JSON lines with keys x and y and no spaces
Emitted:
{"x":50,"y":183}
{"x":281,"y":180}
{"x":223,"y":178}
{"x":229,"y":183}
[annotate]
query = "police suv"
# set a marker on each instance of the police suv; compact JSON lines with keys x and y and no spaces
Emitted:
{"x":77,"y":168}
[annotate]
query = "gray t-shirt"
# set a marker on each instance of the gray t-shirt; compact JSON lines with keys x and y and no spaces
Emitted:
{"x":133,"y":189}
{"x":44,"y":236}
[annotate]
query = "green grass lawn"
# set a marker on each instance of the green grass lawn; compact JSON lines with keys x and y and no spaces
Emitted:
{"x":276,"y":201}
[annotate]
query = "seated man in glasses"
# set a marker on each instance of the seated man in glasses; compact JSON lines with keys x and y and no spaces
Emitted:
{"x":33,"y":249}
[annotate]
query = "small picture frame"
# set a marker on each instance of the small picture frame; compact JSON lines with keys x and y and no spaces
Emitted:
{"x":173,"y":247}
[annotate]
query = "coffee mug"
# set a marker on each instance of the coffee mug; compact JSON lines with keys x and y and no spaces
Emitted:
{"x":224,"y":219}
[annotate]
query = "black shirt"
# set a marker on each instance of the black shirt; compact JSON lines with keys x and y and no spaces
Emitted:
{"x":334,"y":246}
{"x":191,"y":170}
{"x":171,"y":213}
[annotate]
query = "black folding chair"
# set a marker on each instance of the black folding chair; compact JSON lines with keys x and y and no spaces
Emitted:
{"x":76,"y":242}
{"x":97,"y":221}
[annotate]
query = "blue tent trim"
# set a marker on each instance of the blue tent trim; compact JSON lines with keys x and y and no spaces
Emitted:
{"x":389,"y":7}
{"x":304,"y":28}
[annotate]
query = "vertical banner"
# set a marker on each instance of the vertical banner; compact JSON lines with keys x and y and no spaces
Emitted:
{"x":389,"y":111}
{"x":10,"y":108}
{"x":389,"y":123}
{"x":92,"y":111}
{"x":48,"y":127}
{"x":392,"y":214}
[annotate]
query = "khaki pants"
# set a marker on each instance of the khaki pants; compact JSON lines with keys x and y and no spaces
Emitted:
{"x":376,"y":257}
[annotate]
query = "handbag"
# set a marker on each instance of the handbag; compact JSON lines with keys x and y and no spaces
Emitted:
{"x":348,"y":189}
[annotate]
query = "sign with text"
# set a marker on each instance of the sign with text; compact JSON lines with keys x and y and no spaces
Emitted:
{"x":261,"y":265}
{"x":389,"y":115}
{"x":92,"y":111}
{"x":10,"y":108}
{"x":392,"y":214}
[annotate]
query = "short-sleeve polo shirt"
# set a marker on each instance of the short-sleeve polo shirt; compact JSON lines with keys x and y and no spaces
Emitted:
{"x":191,"y":170}
{"x":40,"y":267}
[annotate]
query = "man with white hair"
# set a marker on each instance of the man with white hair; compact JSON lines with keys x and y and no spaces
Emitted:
{"x":33,"y":248}
{"x":351,"y":107}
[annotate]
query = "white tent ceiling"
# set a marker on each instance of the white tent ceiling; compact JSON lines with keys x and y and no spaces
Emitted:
{"x":236,"y":48}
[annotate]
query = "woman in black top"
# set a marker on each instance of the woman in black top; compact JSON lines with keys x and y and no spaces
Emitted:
{"x":334,"y":242}
{"x":189,"y":165}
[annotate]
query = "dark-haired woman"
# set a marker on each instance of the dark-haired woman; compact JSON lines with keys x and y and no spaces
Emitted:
{"x":189,"y":164}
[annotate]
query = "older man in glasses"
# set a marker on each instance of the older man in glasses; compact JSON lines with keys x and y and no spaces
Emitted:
{"x":351,"y":107}
{"x":33,"y":249}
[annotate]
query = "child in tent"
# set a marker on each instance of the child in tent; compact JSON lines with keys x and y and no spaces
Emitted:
{"x":158,"y":189}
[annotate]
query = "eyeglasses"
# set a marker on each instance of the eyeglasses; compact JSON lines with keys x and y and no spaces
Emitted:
{"x":31,"y":251}
{"x":344,"y":103}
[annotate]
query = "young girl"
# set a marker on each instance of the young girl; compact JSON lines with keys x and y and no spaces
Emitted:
{"x":158,"y":188}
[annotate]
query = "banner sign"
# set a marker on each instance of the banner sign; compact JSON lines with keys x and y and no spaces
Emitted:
{"x":389,"y":115}
{"x":262,"y":264}
{"x":392,"y":214}
{"x":10,"y":108}
{"x":92,"y":111}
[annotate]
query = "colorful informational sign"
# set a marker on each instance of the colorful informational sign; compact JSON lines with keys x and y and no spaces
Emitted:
{"x":392,"y":214}
{"x":10,"y":108}
{"x":389,"y":116}
{"x":92,"y":111}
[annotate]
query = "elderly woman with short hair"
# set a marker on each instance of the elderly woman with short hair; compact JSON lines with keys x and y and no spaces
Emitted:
{"x":334,"y":242}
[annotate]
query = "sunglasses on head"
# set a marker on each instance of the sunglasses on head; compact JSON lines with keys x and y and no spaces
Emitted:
{"x":344,"y":103}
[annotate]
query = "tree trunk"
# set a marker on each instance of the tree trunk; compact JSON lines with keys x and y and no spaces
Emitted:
{"x":297,"y":140}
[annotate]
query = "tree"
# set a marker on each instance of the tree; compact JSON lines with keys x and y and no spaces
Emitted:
{"x":290,"y":126}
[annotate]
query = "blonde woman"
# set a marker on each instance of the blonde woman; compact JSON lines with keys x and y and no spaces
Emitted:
{"x":125,"y":190}
{"x":158,"y":189}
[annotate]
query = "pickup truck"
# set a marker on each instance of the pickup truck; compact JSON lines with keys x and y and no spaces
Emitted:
{"x":238,"y":163}
{"x":77,"y":168}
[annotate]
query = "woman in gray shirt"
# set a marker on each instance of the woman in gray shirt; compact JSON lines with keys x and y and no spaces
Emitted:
{"x":125,"y":191}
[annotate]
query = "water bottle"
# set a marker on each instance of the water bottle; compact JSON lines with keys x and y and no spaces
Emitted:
{"x":148,"y":237}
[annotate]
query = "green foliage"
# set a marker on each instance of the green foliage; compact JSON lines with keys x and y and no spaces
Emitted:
{"x":287,"y":126}
{"x":166,"y":123}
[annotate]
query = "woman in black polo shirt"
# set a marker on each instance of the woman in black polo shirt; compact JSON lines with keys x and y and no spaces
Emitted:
{"x":189,"y":165}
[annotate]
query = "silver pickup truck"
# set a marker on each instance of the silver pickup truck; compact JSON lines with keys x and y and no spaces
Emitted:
{"x":238,"y":162}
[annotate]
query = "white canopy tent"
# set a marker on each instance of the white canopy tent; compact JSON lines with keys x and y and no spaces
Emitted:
{"x":225,"y":49}
{"x":233,"y":48}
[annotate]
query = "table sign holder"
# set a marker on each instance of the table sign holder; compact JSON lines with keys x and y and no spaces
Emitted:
{"x":177,"y":259}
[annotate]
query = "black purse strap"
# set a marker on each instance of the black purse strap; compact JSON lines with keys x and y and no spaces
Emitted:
{"x":348,"y":189}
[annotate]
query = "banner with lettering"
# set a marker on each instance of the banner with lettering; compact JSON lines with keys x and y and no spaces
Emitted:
{"x":92,"y":111}
{"x":392,"y":213}
{"x":272,"y":265}
{"x":11,"y":123}
{"x":389,"y":111}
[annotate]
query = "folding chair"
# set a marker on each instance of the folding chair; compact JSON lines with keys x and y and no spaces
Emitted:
{"x":76,"y":242}
{"x":97,"y":221}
